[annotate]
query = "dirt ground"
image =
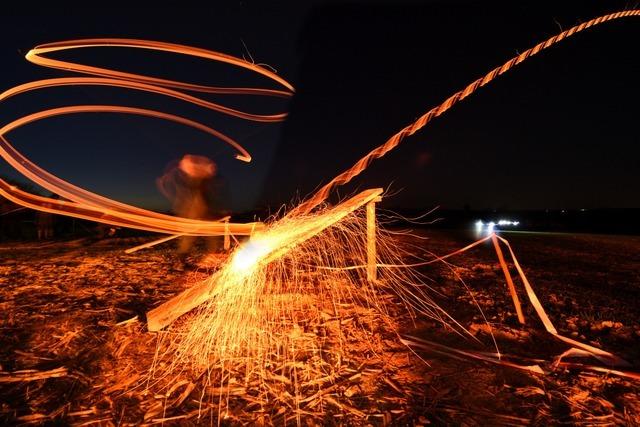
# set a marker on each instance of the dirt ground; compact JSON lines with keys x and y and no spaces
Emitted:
{"x":74,"y":348}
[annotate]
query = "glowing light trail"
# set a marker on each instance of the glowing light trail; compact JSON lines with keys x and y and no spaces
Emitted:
{"x":88,"y":205}
{"x":120,"y":219}
{"x":396,"y":139}
{"x":35,"y":56}
{"x":255,"y":257}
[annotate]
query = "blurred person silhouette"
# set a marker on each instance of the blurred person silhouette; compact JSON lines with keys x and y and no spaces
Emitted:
{"x":190,"y":186}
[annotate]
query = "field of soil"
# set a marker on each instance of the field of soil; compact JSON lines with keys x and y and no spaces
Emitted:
{"x":74,"y":349}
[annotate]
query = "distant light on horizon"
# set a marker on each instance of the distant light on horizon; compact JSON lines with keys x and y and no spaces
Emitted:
{"x":479,"y":225}
{"x":490,"y":227}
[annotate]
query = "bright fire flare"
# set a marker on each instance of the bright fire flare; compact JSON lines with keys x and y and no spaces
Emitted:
{"x":248,"y":255}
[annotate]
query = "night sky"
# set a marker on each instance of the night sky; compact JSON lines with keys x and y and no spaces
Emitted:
{"x":559,"y":131}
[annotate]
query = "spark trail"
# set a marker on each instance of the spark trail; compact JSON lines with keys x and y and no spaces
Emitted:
{"x":362,"y":164}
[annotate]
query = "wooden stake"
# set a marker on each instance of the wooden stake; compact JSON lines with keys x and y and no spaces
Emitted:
{"x":371,"y":241}
{"x":507,"y":276}
{"x":227,"y":238}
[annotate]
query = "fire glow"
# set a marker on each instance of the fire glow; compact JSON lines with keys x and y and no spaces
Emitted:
{"x":249,"y":254}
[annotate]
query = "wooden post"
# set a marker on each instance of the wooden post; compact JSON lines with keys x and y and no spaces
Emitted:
{"x":371,"y":241}
{"x":507,"y":276}
{"x":227,"y":237}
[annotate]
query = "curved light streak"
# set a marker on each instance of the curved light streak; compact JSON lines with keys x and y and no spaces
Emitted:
{"x":102,"y":81}
{"x":243,"y":154}
{"x":178,"y":225}
{"x":35,"y":56}
{"x":362,"y":164}
{"x":91,"y":206}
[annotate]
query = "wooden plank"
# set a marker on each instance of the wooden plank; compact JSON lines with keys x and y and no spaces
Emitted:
{"x":371,"y":242}
{"x":227,"y":236}
{"x":325,"y":220}
{"x":182,"y":303}
{"x":152,"y":243}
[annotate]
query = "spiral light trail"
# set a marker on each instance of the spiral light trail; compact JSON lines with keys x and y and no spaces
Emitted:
{"x":87,"y":205}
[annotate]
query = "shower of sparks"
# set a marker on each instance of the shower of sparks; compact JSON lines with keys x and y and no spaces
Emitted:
{"x":274,"y":245}
{"x":259,"y":313}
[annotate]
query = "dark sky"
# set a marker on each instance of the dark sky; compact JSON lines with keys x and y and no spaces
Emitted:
{"x":559,"y":131}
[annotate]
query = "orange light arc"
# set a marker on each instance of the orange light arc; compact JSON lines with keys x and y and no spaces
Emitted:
{"x":35,"y":56}
{"x":84,"y":204}
{"x":363,"y":163}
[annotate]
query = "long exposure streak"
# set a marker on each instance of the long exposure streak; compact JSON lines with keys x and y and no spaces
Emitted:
{"x":355,"y":170}
{"x":87,"y":205}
